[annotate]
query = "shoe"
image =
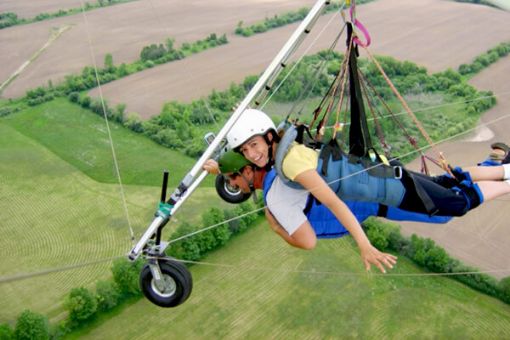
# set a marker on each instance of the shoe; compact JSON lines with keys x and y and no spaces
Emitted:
{"x":499,"y":152}
{"x":506,"y":160}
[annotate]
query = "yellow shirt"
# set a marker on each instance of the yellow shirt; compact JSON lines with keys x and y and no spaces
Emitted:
{"x":299,"y":159}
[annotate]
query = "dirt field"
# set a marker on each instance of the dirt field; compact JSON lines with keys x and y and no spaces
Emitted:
{"x":434,"y":33}
{"x":121,"y":30}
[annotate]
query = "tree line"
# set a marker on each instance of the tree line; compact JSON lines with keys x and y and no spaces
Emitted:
{"x":85,"y":305}
{"x":426,"y":254}
{"x":283,"y":19}
{"x":484,"y":60}
{"x":150,"y":56}
{"x":8,"y":19}
{"x":180,"y":126}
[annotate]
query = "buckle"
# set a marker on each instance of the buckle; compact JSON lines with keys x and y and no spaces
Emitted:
{"x":397,"y":172}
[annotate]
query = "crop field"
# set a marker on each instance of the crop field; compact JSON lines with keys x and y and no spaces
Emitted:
{"x":261,"y":288}
{"x":59,"y":213}
{"x":121,"y":30}
{"x":87,"y":146}
{"x":433,"y":33}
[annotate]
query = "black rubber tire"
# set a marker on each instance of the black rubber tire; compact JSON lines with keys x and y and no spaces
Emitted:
{"x":177,"y":275}
{"x":188,"y":279}
{"x":229,"y":194}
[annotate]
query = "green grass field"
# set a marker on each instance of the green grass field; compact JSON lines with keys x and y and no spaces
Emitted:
{"x":261,"y":288}
{"x":53,"y":215}
{"x":80,"y":138}
{"x":61,"y":206}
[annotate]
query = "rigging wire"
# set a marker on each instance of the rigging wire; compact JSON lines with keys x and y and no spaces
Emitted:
{"x":341,"y":273}
{"x":301,"y":58}
{"x":16,"y":277}
{"x":114,"y":155}
{"x":24,"y":276}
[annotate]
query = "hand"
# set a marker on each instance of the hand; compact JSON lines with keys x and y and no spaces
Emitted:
{"x":212,"y":167}
{"x":371,"y":255}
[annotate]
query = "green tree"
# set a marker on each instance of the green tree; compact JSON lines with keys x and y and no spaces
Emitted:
{"x":504,"y":286}
{"x":187,"y":248}
{"x":219,"y":234}
{"x":118,"y":113}
{"x":134,"y":122}
{"x":81,"y":304}
{"x":6,"y":332}
{"x":170,"y":44}
{"x":108,"y":63}
{"x":31,"y":326}
{"x":125,"y":276}
{"x":106,"y":295}
{"x":377,"y":233}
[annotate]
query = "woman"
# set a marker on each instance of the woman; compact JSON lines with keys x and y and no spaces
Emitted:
{"x":254,"y":135}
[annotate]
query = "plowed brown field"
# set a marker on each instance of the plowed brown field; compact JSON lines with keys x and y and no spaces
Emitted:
{"x":122,"y":30}
{"x":433,"y":33}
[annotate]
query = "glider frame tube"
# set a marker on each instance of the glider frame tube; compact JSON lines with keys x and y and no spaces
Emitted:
{"x":196,"y":174}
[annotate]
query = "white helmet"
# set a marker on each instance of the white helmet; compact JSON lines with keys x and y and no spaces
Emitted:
{"x":251,"y":123}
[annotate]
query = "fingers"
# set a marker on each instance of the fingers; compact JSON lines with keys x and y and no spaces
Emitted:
{"x":367,"y":265}
{"x":381,"y":261}
{"x":211,"y":166}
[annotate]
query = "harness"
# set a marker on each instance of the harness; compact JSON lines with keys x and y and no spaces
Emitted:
{"x":323,"y":222}
{"x":326,"y":225}
{"x":349,"y":176}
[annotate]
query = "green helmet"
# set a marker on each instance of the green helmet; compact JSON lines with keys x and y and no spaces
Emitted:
{"x":232,"y":161}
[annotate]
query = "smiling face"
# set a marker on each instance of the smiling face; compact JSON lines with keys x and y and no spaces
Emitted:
{"x":256,"y":151}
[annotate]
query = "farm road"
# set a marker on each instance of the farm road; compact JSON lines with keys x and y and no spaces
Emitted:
{"x":434,"y":33}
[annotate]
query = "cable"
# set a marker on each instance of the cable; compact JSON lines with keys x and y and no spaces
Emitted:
{"x":114,"y":156}
{"x":58,"y":269}
{"x":23,"y":276}
{"x":300,"y":58}
{"x":339,"y":273}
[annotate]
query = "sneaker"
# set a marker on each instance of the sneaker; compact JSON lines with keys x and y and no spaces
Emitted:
{"x":506,"y":160}
{"x":499,"y":152}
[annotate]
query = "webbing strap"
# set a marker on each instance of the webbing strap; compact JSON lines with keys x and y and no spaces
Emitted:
{"x":359,"y":136}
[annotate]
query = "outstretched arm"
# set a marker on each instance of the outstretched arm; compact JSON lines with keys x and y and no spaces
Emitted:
{"x":314,"y":183}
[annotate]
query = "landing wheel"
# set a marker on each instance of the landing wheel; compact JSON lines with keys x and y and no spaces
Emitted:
{"x":229,"y":193}
{"x":174,"y":287}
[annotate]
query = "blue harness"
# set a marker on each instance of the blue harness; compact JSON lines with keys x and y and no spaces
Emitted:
{"x":326,"y":225}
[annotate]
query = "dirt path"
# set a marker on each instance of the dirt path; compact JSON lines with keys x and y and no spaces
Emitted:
{"x":55,"y":34}
{"x":482,"y":237}
{"x":433,"y":33}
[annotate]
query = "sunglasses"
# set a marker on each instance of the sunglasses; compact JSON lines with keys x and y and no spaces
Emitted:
{"x":232,"y":176}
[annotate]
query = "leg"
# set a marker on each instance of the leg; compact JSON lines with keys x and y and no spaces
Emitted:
{"x":486,"y":173}
{"x":492,"y":189}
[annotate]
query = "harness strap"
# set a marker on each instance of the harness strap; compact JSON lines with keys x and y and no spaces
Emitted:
{"x":330,"y":151}
{"x":428,"y":204}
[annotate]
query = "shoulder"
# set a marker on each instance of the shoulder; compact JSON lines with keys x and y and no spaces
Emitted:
{"x":299,"y":159}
